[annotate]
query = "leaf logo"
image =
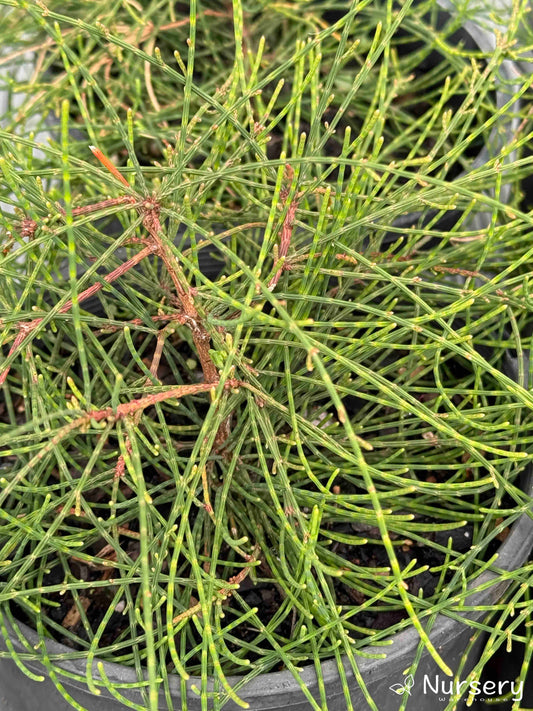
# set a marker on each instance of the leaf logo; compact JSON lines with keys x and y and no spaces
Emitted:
{"x":406,"y":686}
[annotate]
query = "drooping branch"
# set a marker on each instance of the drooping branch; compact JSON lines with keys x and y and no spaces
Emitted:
{"x":133,"y":406}
{"x":27,"y":327}
{"x":189,"y":315}
{"x":128,"y":409}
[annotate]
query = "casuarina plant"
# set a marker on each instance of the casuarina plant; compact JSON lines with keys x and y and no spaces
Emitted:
{"x":266,"y":395}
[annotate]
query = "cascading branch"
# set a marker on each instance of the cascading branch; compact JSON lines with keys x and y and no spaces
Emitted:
{"x":312,"y":443}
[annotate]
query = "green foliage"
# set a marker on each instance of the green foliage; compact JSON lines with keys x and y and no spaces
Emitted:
{"x":349,"y":172}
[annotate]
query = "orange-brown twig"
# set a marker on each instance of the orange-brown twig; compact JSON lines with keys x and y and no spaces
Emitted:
{"x":200,"y":335}
{"x":133,"y":406}
{"x":139,"y":322}
{"x":104,"y":160}
{"x":95,"y":206}
{"x":126,"y":409}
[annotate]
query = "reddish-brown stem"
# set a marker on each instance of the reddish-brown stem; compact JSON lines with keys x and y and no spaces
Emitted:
{"x":125,"y":409}
{"x":150,"y":212}
{"x":156,"y":359}
{"x":154,"y":366}
{"x":128,"y":409}
{"x":121,"y":462}
{"x":94,"y":207}
{"x":133,"y":406}
{"x":139,"y":322}
{"x":287,"y":228}
{"x":26,"y":328}
{"x":455,"y":270}
{"x":108,"y":278}
{"x":200,"y":335}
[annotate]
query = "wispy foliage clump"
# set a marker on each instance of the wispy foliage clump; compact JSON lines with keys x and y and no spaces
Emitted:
{"x":279,"y":346}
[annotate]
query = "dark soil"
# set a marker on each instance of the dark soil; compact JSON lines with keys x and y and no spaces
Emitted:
{"x":268,"y":597}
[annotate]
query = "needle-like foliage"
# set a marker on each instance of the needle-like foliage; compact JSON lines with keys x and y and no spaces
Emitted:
{"x":265,"y":352}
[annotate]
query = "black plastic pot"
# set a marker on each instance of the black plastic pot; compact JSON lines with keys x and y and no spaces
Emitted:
{"x":279,"y":690}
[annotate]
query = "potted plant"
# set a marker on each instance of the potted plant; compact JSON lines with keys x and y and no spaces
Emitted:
{"x":286,"y":482}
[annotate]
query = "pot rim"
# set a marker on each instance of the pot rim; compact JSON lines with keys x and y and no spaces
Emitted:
{"x":512,"y":553}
